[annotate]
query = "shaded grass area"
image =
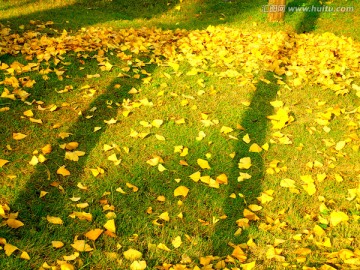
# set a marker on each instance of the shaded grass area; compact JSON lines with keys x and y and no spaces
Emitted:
{"x":255,"y":124}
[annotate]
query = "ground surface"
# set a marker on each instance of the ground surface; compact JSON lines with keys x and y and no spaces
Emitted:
{"x":129,"y":143}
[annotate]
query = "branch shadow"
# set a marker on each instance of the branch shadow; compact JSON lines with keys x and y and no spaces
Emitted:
{"x":255,"y":124}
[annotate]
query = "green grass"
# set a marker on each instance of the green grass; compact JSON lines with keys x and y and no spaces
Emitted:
{"x":209,"y":218}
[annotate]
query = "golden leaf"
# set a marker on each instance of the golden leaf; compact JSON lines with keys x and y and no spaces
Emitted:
{"x":203,"y":163}
{"x":337,"y":217}
{"x":132,"y":254}
{"x":57,"y":244}
{"x":226,"y":130}
{"x":248,"y":266}
{"x":244,"y":163}
{"x":18,"y":136}
{"x":255,"y":148}
{"x":138,"y":265}
{"x":110,"y":226}
{"x":54,"y":220}
{"x":181,"y":191}
{"x":9,"y":249}
{"x":80,"y":245}
{"x":13,"y":223}
{"x":163,"y":247}
{"x":24,"y":255}
{"x":3,"y":162}
{"x":176,"y":242}
{"x":195,"y":176}
{"x":164,"y":216}
{"x":62,"y":171}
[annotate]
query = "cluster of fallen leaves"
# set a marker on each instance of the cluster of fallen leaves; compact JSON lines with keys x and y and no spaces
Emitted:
{"x":326,"y":60}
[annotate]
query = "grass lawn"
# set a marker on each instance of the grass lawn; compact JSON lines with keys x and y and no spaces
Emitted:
{"x":178,"y":135}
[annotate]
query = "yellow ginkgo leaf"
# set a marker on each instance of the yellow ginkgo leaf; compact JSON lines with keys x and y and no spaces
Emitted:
{"x":138,"y":265}
{"x":134,"y":188}
{"x":62,"y":171}
{"x":244,"y":163}
{"x":80,"y":245}
{"x":42,"y":158}
{"x":337,"y":216}
{"x":19,"y":136}
{"x":164,"y":216}
{"x":157,"y":123}
{"x":110,"y":225}
{"x":222,"y":179}
{"x":176,"y":242}
{"x":9,"y":249}
{"x":246,"y":138}
{"x":161,"y":168}
{"x":29,"y":113}
{"x":181,"y":191}
{"x":248,"y":266}
{"x":113,"y":157}
{"x":255,"y":148}
{"x":163,"y":247}
{"x":277,"y":103}
{"x":24,"y":255}
{"x":203,"y":163}
{"x":340,"y":145}
{"x":153,"y":161}
{"x":255,"y":207}
{"x":159,"y":137}
{"x":54,"y":220}
{"x":71,"y":146}
{"x":43,"y":193}
{"x":3,"y":162}
{"x":201,"y":136}
{"x":57,"y":244}
{"x":195,"y":176}
{"x":287,"y":183}
{"x":226,"y":130}
{"x":71,"y":257}
{"x":14,"y":223}
{"x":132,"y":254}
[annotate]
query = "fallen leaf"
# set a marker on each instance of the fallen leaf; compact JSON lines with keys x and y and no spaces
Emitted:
{"x":203,"y":163}
{"x":176,"y":242}
{"x":181,"y":191}
{"x":9,"y":249}
{"x":110,"y":225}
{"x":337,"y":217}
{"x":54,"y":220}
{"x":94,"y":234}
{"x":80,"y":245}
{"x":132,"y":254}
{"x":14,"y":223}
{"x":19,"y":136}
{"x":57,"y":244}
{"x":138,"y":265}
{"x":62,"y":171}
{"x":3,"y":162}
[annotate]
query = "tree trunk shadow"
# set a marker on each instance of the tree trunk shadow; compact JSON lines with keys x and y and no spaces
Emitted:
{"x":255,"y":124}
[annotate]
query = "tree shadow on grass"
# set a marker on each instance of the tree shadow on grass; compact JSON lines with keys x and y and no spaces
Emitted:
{"x":217,"y":12}
{"x":84,"y":13}
{"x":255,"y":124}
{"x":308,"y":20}
{"x":36,"y":236}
